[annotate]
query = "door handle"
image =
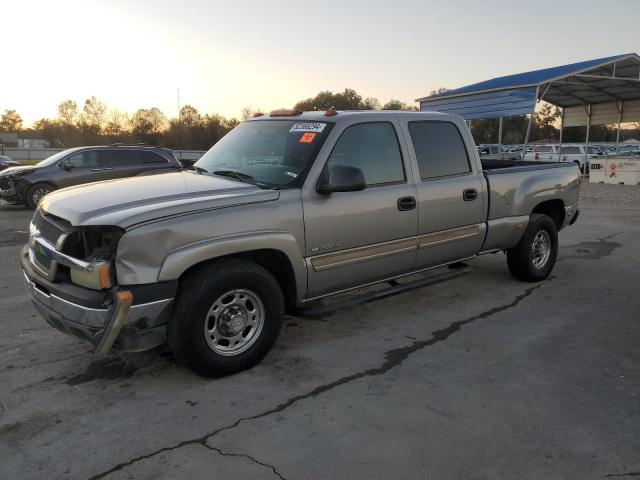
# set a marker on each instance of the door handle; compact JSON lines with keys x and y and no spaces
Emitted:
{"x":96,"y":169}
{"x":406,"y":203}
{"x":469,"y":194}
{"x":108,"y":168}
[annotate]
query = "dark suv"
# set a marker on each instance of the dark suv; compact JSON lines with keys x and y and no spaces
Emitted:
{"x":28,"y":184}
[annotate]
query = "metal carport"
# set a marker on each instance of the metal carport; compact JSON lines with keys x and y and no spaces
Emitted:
{"x":594,"y":92}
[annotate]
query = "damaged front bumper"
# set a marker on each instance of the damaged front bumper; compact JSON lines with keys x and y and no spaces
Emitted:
{"x":133,"y":319}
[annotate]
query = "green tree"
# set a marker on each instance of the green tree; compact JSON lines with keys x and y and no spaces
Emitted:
{"x":68,"y":112}
{"x":10,"y":121}
{"x":94,"y":114}
{"x":349,"y":99}
{"x":148,"y":123}
{"x":394,"y":104}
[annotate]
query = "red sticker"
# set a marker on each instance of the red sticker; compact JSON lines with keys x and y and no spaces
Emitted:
{"x":307,"y":137}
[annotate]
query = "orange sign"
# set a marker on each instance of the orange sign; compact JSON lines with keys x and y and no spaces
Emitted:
{"x":307,"y":137}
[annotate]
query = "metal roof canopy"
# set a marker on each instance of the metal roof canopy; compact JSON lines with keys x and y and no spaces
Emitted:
{"x":594,"y":92}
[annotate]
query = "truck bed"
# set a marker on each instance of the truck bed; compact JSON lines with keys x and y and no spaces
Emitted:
{"x":516,"y":187}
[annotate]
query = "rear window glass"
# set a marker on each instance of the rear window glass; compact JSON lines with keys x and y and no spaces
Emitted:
{"x":439,"y":148}
{"x":543,"y":149}
{"x":570,"y":149}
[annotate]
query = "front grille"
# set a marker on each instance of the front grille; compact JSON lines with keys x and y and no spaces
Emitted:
{"x":5,"y":184}
{"x":41,"y":257}
{"x":51,"y":228}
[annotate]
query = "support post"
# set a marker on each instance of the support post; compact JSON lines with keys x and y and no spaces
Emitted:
{"x":586,"y":141}
{"x":560,"y":140}
{"x":500,"y":139}
{"x":619,"y":122}
{"x":526,"y":137}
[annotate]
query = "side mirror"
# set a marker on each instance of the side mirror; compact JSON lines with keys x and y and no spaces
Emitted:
{"x":342,"y":178}
{"x":66,"y":167}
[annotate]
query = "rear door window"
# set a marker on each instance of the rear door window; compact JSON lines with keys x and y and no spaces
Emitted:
{"x":125,"y":158}
{"x":440,"y":149}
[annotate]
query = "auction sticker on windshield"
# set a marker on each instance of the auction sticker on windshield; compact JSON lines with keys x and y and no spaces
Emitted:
{"x":308,"y":127}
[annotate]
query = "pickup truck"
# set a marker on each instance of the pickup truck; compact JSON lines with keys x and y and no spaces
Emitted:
{"x":286,"y":209}
{"x":579,"y":154}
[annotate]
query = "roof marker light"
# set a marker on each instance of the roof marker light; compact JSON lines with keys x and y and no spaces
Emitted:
{"x":285,"y":112}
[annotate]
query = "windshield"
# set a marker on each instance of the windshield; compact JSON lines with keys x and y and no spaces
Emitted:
{"x":269,"y":153}
{"x":53,"y":158}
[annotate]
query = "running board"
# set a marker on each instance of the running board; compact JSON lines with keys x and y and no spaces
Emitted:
{"x":323,"y":308}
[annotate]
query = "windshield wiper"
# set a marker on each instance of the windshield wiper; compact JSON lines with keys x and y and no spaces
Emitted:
{"x":243,"y":177}
{"x":200,"y":169}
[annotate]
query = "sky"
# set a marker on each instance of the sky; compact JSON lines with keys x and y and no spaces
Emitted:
{"x":226,"y":55}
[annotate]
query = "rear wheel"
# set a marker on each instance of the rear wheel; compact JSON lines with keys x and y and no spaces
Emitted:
{"x":534,"y":257}
{"x":36,"y":192}
{"x":226,"y":318}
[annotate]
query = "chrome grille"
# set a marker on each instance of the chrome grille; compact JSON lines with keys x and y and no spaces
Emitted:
{"x":50,"y":229}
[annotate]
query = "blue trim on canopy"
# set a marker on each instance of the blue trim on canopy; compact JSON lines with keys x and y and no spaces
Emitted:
{"x":535,"y":77}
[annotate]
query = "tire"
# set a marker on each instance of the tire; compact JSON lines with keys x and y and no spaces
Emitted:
{"x":35,"y":193}
{"x":529,"y":261}
{"x":577,"y":163}
{"x":213,"y":336}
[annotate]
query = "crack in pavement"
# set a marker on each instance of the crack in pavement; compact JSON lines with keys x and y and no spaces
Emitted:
{"x":392,"y":359}
{"x":248,"y":457}
{"x":629,"y":474}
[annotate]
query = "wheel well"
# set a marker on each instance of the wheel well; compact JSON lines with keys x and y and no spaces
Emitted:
{"x":274,"y":261}
{"x":553,"y":209}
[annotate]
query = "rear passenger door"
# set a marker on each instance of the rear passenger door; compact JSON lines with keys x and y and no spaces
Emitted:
{"x":451,"y":193}
{"x":131,"y":162}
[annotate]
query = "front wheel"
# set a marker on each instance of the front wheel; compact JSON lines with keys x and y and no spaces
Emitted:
{"x":533,"y":258}
{"x":36,"y":192}
{"x":226,"y":317}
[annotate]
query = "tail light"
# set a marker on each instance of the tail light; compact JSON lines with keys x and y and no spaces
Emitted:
{"x":537,"y":156}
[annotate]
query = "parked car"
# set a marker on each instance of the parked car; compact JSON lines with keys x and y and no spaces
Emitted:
{"x":579,"y":154}
{"x":286,"y":209}
{"x":496,"y":152}
{"x":6,"y":162}
{"x":75,"y":166}
{"x":629,"y":150}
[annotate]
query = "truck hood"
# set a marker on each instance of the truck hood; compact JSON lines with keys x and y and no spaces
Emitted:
{"x":131,"y":201}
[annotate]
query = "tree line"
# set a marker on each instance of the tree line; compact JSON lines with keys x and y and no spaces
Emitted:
{"x":94,"y":123}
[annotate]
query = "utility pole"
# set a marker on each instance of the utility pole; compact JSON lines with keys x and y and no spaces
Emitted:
{"x":179,"y":126}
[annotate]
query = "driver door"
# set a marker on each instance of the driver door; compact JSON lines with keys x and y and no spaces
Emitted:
{"x":80,"y":167}
{"x":359,"y":237}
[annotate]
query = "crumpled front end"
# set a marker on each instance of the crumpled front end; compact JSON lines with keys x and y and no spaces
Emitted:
{"x":69,"y":274}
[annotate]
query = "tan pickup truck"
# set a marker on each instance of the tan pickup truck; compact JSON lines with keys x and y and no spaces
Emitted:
{"x":286,"y":209}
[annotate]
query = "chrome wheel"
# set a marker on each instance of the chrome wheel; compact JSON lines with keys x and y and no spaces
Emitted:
{"x":37,"y":195}
{"x":234,"y":322}
{"x":541,"y":248}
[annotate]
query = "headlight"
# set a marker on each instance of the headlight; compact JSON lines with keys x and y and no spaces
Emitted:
{"x":99,"y":278}
{"x":96,"y":246}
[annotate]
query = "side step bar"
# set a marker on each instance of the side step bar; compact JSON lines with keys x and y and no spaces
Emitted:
{"x":325,"y":308}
